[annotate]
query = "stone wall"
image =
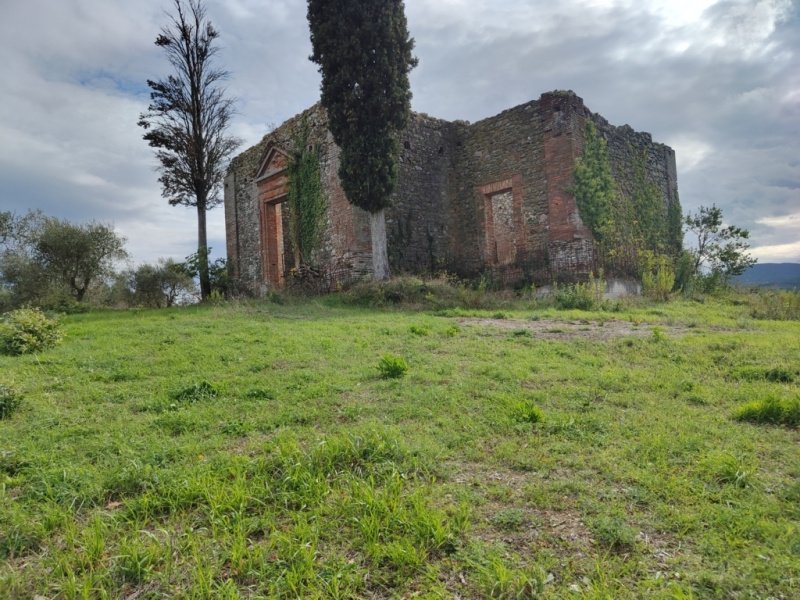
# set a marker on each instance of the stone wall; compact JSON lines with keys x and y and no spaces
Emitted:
{"x":493,"y":197}
{"x":418,"y":226}
{"x":626,"y":146}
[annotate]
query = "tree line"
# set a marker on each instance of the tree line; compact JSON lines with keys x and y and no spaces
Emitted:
{"x":56,"y":264}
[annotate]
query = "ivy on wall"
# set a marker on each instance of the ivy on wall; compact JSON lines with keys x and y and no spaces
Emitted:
{"x":306,"y":199}
{"x":625,"y":226}
{"x":674,"y":228}
{"x":594,"y":185}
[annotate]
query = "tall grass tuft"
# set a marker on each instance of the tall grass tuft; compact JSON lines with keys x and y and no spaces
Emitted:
{"x":772,"y":411}
{"x":9,"y":401}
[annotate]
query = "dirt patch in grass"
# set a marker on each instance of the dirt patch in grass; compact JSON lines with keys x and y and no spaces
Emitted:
{"x":561,"y":529}
{"x":548,"y":329}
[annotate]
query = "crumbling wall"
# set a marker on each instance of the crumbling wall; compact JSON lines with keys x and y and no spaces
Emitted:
{"x":491,"y":197}
{"x":626,"y":147}
{"x":570,"y":245}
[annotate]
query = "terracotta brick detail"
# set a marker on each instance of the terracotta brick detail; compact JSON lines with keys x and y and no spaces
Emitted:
{"x":504,"y":226}
{"x":568,"y":236}
{"x":272,"y":183}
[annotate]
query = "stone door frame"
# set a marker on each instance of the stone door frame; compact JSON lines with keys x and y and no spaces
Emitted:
{"x":272,"y":184}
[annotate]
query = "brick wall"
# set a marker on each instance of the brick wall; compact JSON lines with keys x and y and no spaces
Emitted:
{"x":345,"y":250}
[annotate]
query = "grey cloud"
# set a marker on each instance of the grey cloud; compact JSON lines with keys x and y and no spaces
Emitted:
{"x":726,"y":83}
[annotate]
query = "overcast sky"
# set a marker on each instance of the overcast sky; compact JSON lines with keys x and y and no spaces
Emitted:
{"x":719,"y":81}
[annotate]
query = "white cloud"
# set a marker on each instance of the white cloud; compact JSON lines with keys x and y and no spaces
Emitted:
{"x":689,"y":152}
{"x":777,"y":253}
{"x":783,"y":222}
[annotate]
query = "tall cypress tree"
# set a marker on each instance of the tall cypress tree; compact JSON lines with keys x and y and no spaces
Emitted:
{"x":364,"y":54}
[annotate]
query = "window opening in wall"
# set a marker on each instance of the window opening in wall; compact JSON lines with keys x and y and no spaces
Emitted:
{"x":502,"y":207}
{"x":503,"y":217}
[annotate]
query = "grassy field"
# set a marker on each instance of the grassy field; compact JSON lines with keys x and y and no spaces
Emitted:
{"x":257,"y":451}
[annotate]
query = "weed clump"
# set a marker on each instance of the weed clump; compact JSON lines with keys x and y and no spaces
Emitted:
{"x":581,"y":296}
{"x":392,"y":367}
{"x":438,"y":293}
{"x":726,"y":469}
{"x":776,"y":305}
{"x":494,"y":578}
{"x":259,"y":394}
{"x":774,"y":375}
{"x":614,"y":533}
{"x":771,"y":411}
{"x":27,"y":330}
{"x":9,"y":401}
{"x":658,"y":335}
{"x":509,"y":519}
{"x":527,"y":412}
{"x":194,"y":393}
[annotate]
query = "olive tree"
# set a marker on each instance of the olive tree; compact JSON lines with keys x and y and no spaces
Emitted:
{"x":76,"y":255}
{"x":721,"y":249}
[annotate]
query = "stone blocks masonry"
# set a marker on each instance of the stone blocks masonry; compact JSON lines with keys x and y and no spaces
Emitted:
{"x":492,"y":197}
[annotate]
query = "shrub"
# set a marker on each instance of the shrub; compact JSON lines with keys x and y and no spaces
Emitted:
{"x":27,"y":330}
{"x":771,"y":410}
{"x":573,"y":295}
{"x":9,"y":401}
{"x":392,"y":367}
{"x":658,"y":276}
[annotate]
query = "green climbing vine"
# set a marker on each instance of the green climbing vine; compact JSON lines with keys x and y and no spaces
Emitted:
{"x":632,"y":230}
{"x":306,"y":198}
{"x":594,"y":185}
{"x":649,"y":211}
{"x":674,"y":228}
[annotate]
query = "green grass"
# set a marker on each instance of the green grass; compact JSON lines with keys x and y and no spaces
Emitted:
{"x":254,"y":450}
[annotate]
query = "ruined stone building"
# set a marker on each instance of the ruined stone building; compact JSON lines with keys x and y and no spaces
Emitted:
{"x":487,"y":197}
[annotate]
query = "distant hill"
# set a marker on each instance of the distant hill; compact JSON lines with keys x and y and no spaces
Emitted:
{"x":779,"y":275}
